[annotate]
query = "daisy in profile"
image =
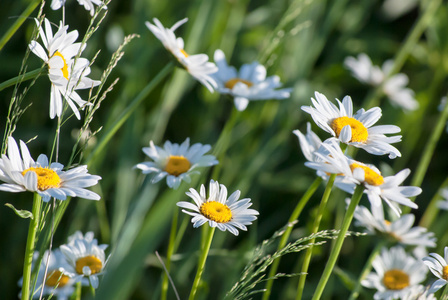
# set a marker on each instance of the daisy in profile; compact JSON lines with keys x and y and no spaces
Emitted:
{"x":333,"y":161}
{"x":309,"y":143}
{"x":21,"y":173}
{"x":197,"y":65}
{"x":176,"y":162}
{"x":394,"y":86}
{"x":250,"y":83}
{"x":399,"y":231}
{"x":439,"y":267}
{"x":88,"y":4}
{"x":65,"y":74}
{"x":219,"y":211}
{"x":57,"y":282}
{"x":85,"y":257}
{"x":396,"y":273}
{"x":354,"y":129}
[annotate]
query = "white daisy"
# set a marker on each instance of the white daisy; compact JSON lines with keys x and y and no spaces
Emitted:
{"x":88,"y":4}
{"x":176,"y":162}
{"x":219,"y":211}
{"x":309,"y":143}
{"x":250,"y":83}
{"x":395,"y":274}
{"x":418,"y":292}
{"x":377,"y":187}
{"x":357,"y":129}
{"x":394,"y":86}
{"x":400,"y":230}
{"x":57,"y":282}
{"x":443,"y":204}
{"x":65,"y":75}
{"x":197,"y":65}
{"x":85,"y":257}
{"x":21,"y":173}
{"x":439,"y":267}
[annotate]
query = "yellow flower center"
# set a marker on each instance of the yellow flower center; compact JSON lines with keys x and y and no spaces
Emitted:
{"x":396,"y":279}
{"x":216,"y":211}
{"x":91,"y":261}
{"x":387,"y":222}
{"x":184,"y":53}
{"x":445,"y":273}
{"x":231,"y":82}
{"x":177,"y":165}
{"x":46,"y":178}
{"x":57,"y":278}
{"x":359,"y":131}
{"x":370,"y":176}
{"x":65,"y":67}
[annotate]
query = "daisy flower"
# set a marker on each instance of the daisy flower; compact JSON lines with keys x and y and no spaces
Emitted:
{"x":250,"y":83}
{"x":219,"y":211}
{"x":354,"y":129}
{"x":57,"y":282}
{"x":394,"y":86}
{"x":176,"y":162}
{"x":65,"y":75}
{"x":395,"y":274}
{"x":377,"y":187}
{"x":439,"y":267}
{"x":197,"y":65}
{"x":418,"y":292}
{"x":309,"y":143}
{"x":85,"y":257}
{"x":88,"y":4}
{"x":443,"y":204}
{"x":400,"y":230}
{"x":21,"y":173}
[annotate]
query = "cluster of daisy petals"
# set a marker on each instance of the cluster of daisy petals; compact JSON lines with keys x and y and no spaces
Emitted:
{"x":80,"y":260}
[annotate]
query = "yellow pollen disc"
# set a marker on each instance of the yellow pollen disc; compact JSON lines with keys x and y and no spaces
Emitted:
{"x":56,"y":278}
{"x":396,"y":279}
{"x":231,"y":83}
{"x":370,"y":176}
{"x":65,"y":67}
{"x":177,"y":165}
{"x":90,"y":261}
{"x":359,"y":131}
{"x":387,"y":222}
{"x":184,"y":53}
{"x":46,"y":178}
{"x":445,"y":273}
{"x":216,"y":211}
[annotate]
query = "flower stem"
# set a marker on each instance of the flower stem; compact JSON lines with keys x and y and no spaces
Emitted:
{"x":309,"y":251}
{"x":78,"y":291}
{"x":365,"y":271}
{"x":201,"y":264}
{"x":23,"y":77}
{"x":340,"y":240}
{"x":29,"y":251}
{"x":444,"y":295}
{"x":170,"y":251}
{"x":295,"y":214}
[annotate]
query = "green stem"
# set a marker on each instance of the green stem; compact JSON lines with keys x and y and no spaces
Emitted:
{"x":29,"y":251}
{"x":129,"y":110}
{"x":201,"y":264}
{"x":432,"y":210}
{"x":367,"y":267}
{"x":338,"y":245}
{"x":23,"y":77}
{"x":7,"y":36}
{"x":294,"y":216}
{"x":78,"y":291}
{"x":92,"y":290}
{"x":444,"y":295}
{"x":170,"y":251}
{"x":309,"y":251}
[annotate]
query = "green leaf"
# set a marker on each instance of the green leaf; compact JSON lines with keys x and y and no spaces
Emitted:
{"x":25,"y":214}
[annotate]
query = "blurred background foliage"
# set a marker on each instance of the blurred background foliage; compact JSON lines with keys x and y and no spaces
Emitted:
{"x":302,"y":41}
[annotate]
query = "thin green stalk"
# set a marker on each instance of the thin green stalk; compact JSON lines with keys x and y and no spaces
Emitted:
{"x":444,"y":295}
{"x":29,"y":251}
{"x":294,"y":216}
{"x":170,"y":251}
{"x":340,"y":240}
{"x":129,"y":110}
{"x":12,"y":30}
{"x":201,"y":263}
{"x":78,"y":291}
{"x":366,"y":270}
{"x":432,"y":210}
{"x":309,"y":251}
{"x":23,"y":77}
{"x":92,"y":290}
